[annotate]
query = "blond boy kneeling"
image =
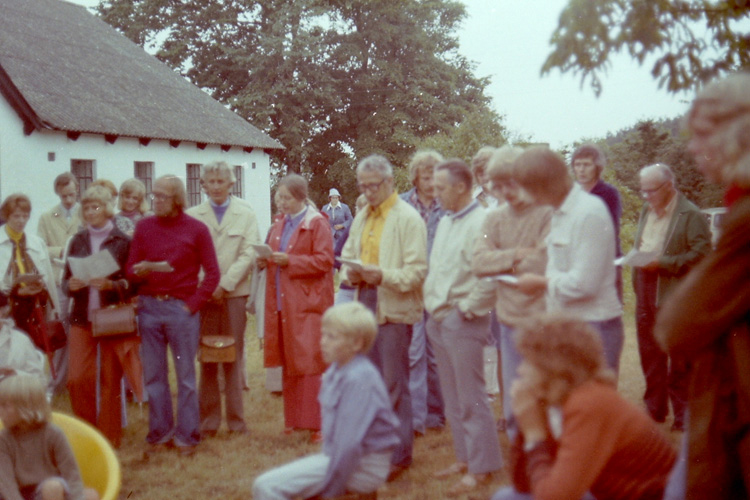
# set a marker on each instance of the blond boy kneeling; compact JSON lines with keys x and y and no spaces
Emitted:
{"x":359,"y":426}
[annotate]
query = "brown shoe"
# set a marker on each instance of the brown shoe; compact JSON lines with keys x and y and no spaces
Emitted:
{"x":395,"y":472}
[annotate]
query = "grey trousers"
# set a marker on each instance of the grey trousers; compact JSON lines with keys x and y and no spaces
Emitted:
{"x":459,"y":347}
{"x":227,"y":318}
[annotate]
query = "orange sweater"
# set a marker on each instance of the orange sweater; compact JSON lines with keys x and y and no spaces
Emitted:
{"x":608,"y":446}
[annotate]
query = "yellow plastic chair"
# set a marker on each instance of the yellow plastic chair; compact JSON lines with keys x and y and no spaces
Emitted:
{"x":96,"y":459}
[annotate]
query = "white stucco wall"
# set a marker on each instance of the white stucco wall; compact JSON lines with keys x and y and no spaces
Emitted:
{"x":25,"y":168}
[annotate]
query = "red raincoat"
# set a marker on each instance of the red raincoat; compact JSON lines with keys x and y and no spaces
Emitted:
{"x":306,"y":292}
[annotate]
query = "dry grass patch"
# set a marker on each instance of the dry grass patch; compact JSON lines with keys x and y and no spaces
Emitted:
{"x":225,"y":466}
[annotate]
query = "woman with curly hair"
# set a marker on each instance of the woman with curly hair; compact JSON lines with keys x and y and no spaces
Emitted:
{"x":578,"y":437}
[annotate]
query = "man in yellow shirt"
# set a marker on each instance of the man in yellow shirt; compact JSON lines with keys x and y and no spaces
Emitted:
{"x":390,"y":238}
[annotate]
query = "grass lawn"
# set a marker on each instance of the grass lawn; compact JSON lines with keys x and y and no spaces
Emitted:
{"x":224,"y":467}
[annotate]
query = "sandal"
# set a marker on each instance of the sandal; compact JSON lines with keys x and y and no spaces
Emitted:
{"x":455,"y":468}
{"x":468,"y":483}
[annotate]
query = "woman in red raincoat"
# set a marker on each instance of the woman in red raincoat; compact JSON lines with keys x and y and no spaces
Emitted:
{"x":299,"y":288}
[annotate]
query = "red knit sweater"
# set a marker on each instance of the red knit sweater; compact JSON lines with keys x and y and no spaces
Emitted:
{"x":608,"y":447}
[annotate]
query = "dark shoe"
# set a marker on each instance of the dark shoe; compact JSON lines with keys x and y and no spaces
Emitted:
{"x":395,"y":472}
{"x":208,"y":434}
{"x":187,"y":451}
{"x":678,"y":427}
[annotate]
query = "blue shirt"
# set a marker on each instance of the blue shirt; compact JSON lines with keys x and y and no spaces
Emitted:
{"x":357,"y":419}
{"x":290,"y":224}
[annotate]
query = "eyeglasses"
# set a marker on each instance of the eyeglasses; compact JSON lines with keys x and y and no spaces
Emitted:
{"x":363,"y":188}
{"x":160,"y":196}
{"x":649,"y":192}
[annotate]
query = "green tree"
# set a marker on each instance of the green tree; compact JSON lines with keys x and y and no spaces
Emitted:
{"x":333,"y":80}
{"x":692,"y":40}
{"x":649,"y":142}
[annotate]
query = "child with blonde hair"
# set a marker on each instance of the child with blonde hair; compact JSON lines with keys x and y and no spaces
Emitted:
{"x":36,"y":461}
{"x":359,"y":426}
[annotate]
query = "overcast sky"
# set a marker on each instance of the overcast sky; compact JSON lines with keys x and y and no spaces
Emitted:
{"x":509,"y":40}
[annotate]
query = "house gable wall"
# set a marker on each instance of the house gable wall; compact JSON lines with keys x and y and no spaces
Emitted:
{"x":25,"y":167}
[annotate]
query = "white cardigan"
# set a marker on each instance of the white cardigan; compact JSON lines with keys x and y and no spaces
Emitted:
{"x":37,"y":250}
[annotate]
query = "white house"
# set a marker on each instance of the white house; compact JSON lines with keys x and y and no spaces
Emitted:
{"x":78,"y":96}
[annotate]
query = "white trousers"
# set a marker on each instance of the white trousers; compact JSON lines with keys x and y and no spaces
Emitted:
{"x":304,"y":477}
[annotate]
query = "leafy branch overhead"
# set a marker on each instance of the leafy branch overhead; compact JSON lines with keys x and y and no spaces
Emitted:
{"x":332,"y":80}
{"x":693,"y":41}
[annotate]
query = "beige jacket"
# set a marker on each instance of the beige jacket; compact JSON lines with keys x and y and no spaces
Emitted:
{"x":233,"y":240}
{"x":55,"y":230}
{"x":403,"y":261}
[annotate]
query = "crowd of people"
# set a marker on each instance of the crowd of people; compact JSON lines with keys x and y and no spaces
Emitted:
{"x":517,"y":250}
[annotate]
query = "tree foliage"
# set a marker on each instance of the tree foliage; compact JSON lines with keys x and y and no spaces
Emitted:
{"x":693,"y":40}
{"x":650,"y":142}
{"x":333,"y":80}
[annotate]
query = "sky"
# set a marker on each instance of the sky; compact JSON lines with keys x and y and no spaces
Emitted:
{"x":508,"y":40}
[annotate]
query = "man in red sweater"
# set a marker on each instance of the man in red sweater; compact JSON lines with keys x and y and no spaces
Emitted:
{"x":166,"y":255}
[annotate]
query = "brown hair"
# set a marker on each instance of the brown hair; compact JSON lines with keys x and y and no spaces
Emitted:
{"x":500,"y":164}
{"x":458,"y":172}
{"x":591,"y":152}
{"x":63,"y":180}
{"x":566,"y":349}
{"x":541,"y":170}
{"x":480,"y":159}
{"x":297,"y":186}
{"x":17,"y":201}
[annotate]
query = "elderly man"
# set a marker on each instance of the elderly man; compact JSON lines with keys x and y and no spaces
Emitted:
{"x":167,"y":253}
{"x":580,"y":274}
{"x":234,"y":229}
{"x":424,"y":382}
{"x":512,"y":244}
{"x":678,"y":232}
{"x":390,"y":239}
{"x":588,"y":163}
{"x":339,"y":215}
{"x":55,"y":227}
{"x":459,"y":323}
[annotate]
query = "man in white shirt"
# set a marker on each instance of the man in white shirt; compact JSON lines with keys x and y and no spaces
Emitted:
{"x":580,"y":274}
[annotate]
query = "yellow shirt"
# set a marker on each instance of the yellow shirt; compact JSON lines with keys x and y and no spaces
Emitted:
{"x":654,"y":234}
{"x":373,"y":230}
{"x":16,"y":237}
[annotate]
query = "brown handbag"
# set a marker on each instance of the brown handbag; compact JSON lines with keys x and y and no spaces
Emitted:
{"x":217,"y":349}
{"x":117,"y":319}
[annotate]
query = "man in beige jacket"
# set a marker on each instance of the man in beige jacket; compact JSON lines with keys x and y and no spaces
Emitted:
{"x":389,"y":237}
{"x":234,"y":229}
{"x":55,"y":227}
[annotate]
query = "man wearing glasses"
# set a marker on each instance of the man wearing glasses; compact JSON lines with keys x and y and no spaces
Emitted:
{"x":166,"y":255}
{"x":389,"y":237}
{"x":677,"y":230}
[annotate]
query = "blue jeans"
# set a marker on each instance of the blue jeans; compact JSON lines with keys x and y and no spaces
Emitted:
{"x":613,"y":337}
{"x":162,"y":323}
{"x":424,"y":382}
{"x":511,"y":360}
